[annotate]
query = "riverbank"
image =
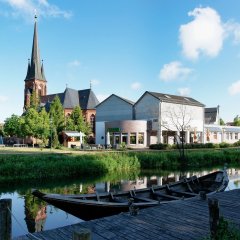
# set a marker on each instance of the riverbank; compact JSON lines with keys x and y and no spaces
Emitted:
{"x":37,"y":164}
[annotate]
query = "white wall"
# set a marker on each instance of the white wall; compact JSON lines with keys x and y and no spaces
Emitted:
{"x":186,"y":114}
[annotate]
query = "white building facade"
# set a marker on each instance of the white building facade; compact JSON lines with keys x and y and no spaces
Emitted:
{"x":154,"y":118}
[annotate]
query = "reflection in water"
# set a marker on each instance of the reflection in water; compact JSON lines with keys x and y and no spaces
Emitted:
{"x":34,"y":212}
{"x":40,"y":219}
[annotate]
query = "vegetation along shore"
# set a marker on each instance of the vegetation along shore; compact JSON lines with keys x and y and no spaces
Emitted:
{"x":40,"y":166}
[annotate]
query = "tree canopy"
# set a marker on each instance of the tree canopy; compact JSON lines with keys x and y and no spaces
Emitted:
{"x":12,"y":126}
{"x":236,"y":121}
{"x":222,"y":122}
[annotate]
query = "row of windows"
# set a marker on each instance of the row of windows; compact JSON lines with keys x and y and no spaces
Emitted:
{"x":229,"y":135}
{"x":133,"y":138}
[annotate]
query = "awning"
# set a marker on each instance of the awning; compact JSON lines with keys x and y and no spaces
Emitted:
{"x":74,"y":134}
{"x":214,"y":128}
{"x":232,"y":129}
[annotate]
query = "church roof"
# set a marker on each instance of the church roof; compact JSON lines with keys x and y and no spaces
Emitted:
{"x":71,"y":98}
{"x":35,"y":69}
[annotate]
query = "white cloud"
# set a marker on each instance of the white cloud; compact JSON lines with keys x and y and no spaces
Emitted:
{"x":174,"y":71}
{"x":136,"y":85}
{"x":3,"y":99}
{"x":74,"y":63}
{"x":234,"y":88}
{"x":26,"y":9}
{"x":184,"y":91}
{"x":232,"y":28}
{"x":203,"y":35}
{"x":102,"y":97}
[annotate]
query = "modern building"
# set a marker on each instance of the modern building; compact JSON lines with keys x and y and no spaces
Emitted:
{"x":216,"y":133}
{"x":155,"y":117}
{"x":35,"y":82}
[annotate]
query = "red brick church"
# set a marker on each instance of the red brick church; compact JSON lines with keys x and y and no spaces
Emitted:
{"x":36,"y":81}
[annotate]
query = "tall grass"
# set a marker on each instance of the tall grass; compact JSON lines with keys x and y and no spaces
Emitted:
{"x":23,"y":167}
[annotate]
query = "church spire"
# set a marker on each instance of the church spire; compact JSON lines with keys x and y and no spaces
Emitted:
{"x":35,"y":80}
{"x":35,"y":65}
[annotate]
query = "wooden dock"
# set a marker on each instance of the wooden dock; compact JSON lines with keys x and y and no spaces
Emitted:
{"x":184,"y":219}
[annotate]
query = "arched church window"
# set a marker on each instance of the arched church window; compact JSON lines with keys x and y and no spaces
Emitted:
{"x":39,"y":90}
{"x":92,"y":122}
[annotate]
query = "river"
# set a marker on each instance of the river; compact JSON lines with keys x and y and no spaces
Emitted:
{"x":25,"y":209}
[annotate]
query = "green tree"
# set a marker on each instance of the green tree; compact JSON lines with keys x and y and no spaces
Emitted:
{"x":43,"y":130}
{"x":57,"y":119}
{"x":1,"y":130}
{"x":34,"y":100}
{"x":69,"y":123}
{"x":236,"y":121}
{"x":12,"y":126}
{"x":76,"y":122}
{"x":31,"y":124}
{"x":222,"y":122}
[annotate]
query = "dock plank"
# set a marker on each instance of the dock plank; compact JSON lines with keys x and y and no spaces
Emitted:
{"x":176,"y":220}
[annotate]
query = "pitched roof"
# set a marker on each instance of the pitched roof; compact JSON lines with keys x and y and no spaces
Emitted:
{"x":87,"y":99}
{"x":35,"y":70}
{"x":71,"y":98}
{"x":174,"y":99}
{"x":124,"y":99}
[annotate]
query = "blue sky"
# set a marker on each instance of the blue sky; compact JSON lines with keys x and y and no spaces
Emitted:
{"x":126,"y":47}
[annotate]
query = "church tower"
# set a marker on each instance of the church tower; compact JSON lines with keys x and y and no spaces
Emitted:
{"x":35,"y":80}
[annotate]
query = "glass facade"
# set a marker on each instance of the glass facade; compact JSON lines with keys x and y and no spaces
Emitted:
{"x":133,"y":138}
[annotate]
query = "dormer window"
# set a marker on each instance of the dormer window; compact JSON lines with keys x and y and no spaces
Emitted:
{"x":167,"y":96}
{"x":187,"y":99}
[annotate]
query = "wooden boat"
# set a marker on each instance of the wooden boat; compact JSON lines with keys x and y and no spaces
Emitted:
{"x":94,"y":205}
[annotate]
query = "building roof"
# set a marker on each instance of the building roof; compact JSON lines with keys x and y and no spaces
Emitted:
{"x":213,"y":128}
{"x":211,"y":115}
{"x":35,"y":68}
{"x":71,"y":98}
{"x":175,"y":99}
{"x":124,"y":99}
{"x":73,"y":133}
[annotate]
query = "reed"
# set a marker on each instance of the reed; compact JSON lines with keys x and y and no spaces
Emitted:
{"x":47,"y":166}
{"x":14,"y":167}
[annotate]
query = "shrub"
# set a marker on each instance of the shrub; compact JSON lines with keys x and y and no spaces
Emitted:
{"x":224,"y":145}
{"x":159,"y":146}
{"x":237,"y":144}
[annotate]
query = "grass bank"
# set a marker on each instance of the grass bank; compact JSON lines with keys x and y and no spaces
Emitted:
{"x":14,"y":167}
{"x":194,"y":158}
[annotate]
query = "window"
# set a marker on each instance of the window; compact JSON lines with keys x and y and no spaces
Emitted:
{"x":133,"y":138}
{"x":92,"y":122}
{"x":231,"y":136}
{"x":140,"y":138}
{"x":227,"y":136}
{"x":215,"y":135}
{"x":117,"y":139}
{"x":236,"y":136}
{"x":125,"y":137}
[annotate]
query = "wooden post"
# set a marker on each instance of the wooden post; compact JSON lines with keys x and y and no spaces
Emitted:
{"x":203,"y":195}
{"x":82,"y":234}
{"x":213,"y":206}
{"x":5,"y":219}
